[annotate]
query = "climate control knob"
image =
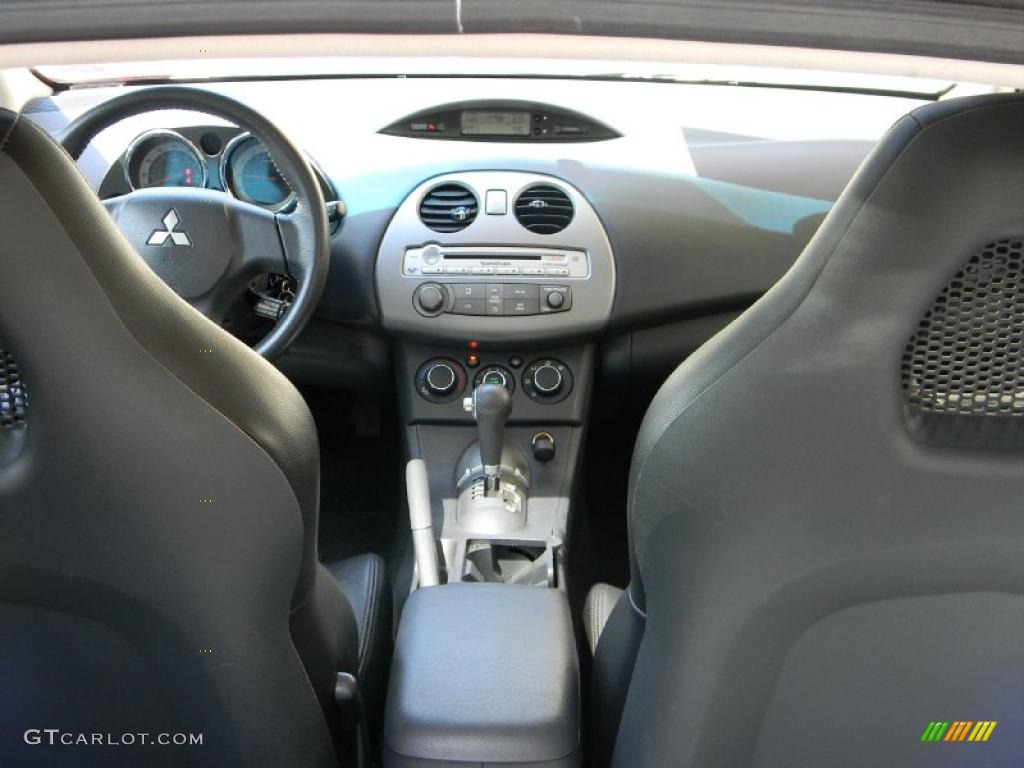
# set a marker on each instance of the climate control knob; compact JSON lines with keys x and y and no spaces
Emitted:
{"x":495,"y":374}
{"x":547,"y":380}
{"x":440,"y":380}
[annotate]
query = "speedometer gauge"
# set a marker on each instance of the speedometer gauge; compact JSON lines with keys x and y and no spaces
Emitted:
{"x":251,"y":175}
{"x":164,"y":159}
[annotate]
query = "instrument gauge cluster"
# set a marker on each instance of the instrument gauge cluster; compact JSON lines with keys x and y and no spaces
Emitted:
{"x":207,"y":158}
{"x":164,"y":159}
{"x":250,"y":175}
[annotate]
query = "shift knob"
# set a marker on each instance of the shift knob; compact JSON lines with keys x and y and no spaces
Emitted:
{"x":491,"y":406}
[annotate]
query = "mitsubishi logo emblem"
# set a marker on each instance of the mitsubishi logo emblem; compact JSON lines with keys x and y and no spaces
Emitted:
{"x":161,"y":236}
{"x":460,"y":213}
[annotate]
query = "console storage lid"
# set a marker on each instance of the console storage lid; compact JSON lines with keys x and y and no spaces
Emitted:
{"x":485,"y":674}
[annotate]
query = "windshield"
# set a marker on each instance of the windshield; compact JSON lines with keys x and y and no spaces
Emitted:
{"x":200,"y":70}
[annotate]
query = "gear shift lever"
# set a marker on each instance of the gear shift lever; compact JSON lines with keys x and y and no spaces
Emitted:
{"x":492,"y":405}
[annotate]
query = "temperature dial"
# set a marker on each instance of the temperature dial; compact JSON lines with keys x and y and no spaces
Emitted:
{"x":547,"y":380}
{"x":440,"y":380}
{"x":495,"y":374}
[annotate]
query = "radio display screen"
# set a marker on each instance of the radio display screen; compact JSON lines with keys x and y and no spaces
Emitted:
{"x":487,"y":123}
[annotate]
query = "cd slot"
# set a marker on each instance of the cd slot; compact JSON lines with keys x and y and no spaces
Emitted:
{"x":494,"y":256}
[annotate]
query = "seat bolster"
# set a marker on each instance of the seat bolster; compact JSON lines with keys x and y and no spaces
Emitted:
{"x":364,"y":581}
{"x":617,"y":643}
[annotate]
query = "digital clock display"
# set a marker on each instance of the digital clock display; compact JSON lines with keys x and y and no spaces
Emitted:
{"x":485,"y":123}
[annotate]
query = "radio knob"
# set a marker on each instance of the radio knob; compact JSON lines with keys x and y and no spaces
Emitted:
{"x":430,"y":298}
{"x":547,"y":380}
{"x":440,"y":378}
{"x":555,"y":299}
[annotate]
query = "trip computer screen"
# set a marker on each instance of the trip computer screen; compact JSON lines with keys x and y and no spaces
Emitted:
{"x":492,"y":123}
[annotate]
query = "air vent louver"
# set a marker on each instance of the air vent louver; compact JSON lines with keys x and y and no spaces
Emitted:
{"x":448,"y":208}
{"x":544,"y":209}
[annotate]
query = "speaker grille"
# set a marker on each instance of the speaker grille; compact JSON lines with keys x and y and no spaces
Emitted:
{"x":13,"y":397}
{"x":966,"y":357}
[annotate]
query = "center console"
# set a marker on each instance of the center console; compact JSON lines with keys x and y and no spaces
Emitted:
{"x":495,"y":284}
{"x":496,"y":278}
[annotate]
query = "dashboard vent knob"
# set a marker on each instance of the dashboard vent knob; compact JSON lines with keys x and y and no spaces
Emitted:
{"x":544,"y":209}
{"x":448,"y":208}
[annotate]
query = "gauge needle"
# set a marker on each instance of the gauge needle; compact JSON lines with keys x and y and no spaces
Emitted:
{"x":162,"y":182}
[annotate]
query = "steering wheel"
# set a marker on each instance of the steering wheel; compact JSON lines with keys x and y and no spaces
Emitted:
{"x":206,"y":244}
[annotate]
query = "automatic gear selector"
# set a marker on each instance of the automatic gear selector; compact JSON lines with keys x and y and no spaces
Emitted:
{"x":492,"y":405}
{"x":492,"y":477}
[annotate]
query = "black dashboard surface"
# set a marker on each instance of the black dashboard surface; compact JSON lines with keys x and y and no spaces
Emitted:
{"x":707,"y":194}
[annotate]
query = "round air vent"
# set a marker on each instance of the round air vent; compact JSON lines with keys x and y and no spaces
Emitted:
{"x":448,"y":208}
{"x":544,"y":209}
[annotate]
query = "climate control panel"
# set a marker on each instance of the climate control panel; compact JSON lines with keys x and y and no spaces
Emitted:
{"x":444,"y":380}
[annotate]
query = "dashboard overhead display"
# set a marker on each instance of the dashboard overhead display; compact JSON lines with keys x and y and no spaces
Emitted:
{"x":478,"y":122}
{"x":511,"y":120}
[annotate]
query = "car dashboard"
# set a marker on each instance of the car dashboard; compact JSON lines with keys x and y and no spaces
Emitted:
{"x":681,"y":204}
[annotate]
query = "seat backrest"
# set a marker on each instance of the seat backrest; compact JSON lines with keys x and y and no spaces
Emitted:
{"x":827,"y":500}
{"x":157,"y":494}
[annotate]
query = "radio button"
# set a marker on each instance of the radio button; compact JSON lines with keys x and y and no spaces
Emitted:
{"x":521,"y":291}
{"x":456,"y":270}
{"x":509,"y":270}
{"x":483,"y":270}
{"x":558,"y":271}
{"x":495,"y":306}
{"x":469,"y":291}
{"x":522,"y":306}
{"x":468,"y":307}
{"x":533,"y":271}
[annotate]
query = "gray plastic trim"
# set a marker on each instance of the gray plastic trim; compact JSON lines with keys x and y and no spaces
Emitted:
{"x":592,"y":294}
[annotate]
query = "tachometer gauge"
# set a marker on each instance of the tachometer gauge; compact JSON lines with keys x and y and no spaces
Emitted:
{"x":164,"y":159}
{"x":251,"y":175}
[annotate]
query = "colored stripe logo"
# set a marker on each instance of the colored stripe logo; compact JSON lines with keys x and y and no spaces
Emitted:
{"x":959,"y":730}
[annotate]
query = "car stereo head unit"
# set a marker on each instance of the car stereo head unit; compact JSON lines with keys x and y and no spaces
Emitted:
{"x":488,"y":261}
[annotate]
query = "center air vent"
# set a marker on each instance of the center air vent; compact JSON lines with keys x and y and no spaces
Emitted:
{"x":544,"y":209}
{"x":448,"y":208}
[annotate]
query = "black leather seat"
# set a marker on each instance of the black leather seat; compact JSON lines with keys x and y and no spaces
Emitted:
{"x":158,"y":508}
{"x":826,"y":525}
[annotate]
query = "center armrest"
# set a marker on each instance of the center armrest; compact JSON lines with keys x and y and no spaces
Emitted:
{"x":484,"y":674}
